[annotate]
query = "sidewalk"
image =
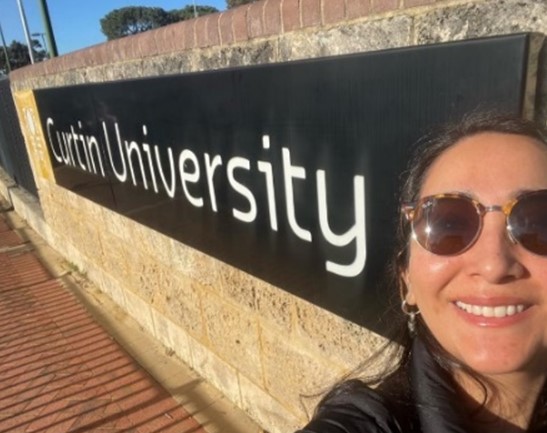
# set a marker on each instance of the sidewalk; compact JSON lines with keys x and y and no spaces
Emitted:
{"x":60,"y":371}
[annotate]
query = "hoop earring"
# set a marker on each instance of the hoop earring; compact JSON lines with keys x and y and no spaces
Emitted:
{"x":411,"y":322}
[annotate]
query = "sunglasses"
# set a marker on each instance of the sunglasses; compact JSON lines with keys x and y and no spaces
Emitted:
{"x":449,"y":224}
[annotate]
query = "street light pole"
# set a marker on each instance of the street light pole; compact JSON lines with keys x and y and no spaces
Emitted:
{"x":25,"y":29}
{"x":48,"y":29}
{"x":5,"y":50}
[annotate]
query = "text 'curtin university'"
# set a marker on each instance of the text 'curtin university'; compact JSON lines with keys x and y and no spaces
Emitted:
{"x":158,"y":169}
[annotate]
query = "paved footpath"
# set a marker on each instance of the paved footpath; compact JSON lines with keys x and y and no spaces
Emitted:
{"x":59,"y":370}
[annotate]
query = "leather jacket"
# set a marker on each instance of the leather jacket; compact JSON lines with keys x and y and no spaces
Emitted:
{"x":432,"y":405}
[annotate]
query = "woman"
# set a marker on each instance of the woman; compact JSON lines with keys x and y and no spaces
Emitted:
{"x":472,"y":273}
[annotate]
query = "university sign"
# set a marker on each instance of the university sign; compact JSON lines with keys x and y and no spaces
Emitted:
{"x":286,"y":171}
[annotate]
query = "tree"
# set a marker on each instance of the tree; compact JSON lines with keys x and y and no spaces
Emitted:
{"x":131,"y":20}
{"x":234,"y":3}
{"x":19,"y":56}
{"x":187,"y":12}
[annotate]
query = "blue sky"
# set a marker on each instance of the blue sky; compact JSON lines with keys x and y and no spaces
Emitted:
{"x":76,"y":22}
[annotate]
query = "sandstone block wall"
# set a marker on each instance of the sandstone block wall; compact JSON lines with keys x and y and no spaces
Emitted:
{"x":261,"y":346}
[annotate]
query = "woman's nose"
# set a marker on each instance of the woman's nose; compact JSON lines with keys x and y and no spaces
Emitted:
{"x":495,"y":256}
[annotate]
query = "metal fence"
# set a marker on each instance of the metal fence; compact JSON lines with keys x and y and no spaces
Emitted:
{"x":14,"y":158}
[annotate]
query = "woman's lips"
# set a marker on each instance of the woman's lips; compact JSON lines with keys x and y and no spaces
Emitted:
{"x":493,"y":314}
{"x":491,"y":310}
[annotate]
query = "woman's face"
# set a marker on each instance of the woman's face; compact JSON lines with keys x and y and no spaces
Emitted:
{"x":493,"y":168}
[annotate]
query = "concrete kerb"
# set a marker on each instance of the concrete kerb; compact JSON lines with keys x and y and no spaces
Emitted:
{"x":6,"y":185}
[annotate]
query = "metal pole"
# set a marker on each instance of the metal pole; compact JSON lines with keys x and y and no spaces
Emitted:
{"x":5,"y":49}
{"x":25,"y":29}
{"x":195,"y":11}
{"x":48,"y":29}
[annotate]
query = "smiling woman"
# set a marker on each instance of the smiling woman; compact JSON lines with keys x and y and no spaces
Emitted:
{"x":471,"y":269}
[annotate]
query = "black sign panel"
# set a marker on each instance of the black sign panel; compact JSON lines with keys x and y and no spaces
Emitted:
{"x":286,"y":171}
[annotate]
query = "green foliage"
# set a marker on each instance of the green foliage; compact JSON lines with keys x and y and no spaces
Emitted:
{"x":234,"y":3}
{"x":19,"y":56}
{"x":187,"y":12}
{"x":131,"y":20}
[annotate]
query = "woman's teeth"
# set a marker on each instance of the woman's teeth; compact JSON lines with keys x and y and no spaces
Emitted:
{"x":491,"y":311}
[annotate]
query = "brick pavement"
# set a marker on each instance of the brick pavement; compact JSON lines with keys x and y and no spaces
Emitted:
{"x":59,"y":370}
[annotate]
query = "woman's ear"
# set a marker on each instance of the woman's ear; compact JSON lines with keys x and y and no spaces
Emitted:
{"x":408,"y":296}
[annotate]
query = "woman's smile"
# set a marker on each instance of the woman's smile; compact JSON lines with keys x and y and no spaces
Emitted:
{"x":491,"y":310}
{"x":493,"y":313}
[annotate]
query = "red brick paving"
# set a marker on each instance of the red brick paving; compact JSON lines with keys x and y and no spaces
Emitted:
{"x":59,"y":370}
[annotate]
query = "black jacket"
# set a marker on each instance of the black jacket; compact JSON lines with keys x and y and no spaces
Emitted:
{"x":431,"y":408}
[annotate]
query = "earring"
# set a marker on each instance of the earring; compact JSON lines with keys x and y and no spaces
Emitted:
{"x":411,"y":323}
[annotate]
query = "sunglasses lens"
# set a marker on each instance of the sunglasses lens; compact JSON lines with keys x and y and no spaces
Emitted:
{"x":446,"y":225}
{"x":528,"y":222}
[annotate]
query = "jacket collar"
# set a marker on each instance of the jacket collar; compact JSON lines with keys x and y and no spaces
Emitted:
{"x":435,"y":397}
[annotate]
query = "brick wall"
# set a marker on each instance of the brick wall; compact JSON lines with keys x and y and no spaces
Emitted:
{"x":261,"y":346}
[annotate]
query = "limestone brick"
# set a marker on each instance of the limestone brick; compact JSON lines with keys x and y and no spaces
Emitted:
{"x":253,"y":53}
{"x":114,"y":258}
{"x":118,"y":225}
{"x":152,"y":243}
{"x":480,"y":19}
{"x":275,"y":306}
{"x":182,"y":304}
{"x":140,"y":311}
{"x":335,"y":338}
{"x":233,"y":335}
{"x":194,"y":264}
{"x":88,"y":237}
{"x":171,"y":336}
{"x":217,"y":371}
{"x":265,"y":409}
{"x":294,"y":376}
{"x":358,"y":37}
{"x":149,"y":278}
{"x":237,"y":285}
{"x":108,"y":285}
{"x":92,"y":211}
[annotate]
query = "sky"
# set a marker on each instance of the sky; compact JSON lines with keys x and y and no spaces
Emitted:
{"x":76,"y":22}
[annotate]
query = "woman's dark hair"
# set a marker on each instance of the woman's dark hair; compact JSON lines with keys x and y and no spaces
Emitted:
{"x":425,"y":154}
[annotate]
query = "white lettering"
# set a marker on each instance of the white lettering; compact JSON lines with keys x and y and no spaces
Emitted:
{"x":290,"y":172}
{"x":76,"y":138}
{"x":49,"y":124}
{"x":242,"y":163}
{"x":210,"y":167}
{"x":192,"y":176}
{"x":356,"y":232}
{"x":91,"y":143}
{"x":146,"y":148}
{"x":122,"y":177}
{"x":133,"y":147}
{"x":170,"y":189}
{"x":141,"y":159}
{"x":266,"y":168}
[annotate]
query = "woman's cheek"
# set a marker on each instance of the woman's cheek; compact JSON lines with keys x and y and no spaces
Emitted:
{"x":430,"y":272}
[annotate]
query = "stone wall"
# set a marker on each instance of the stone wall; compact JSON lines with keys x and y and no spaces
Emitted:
{"x":261,"y":346}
